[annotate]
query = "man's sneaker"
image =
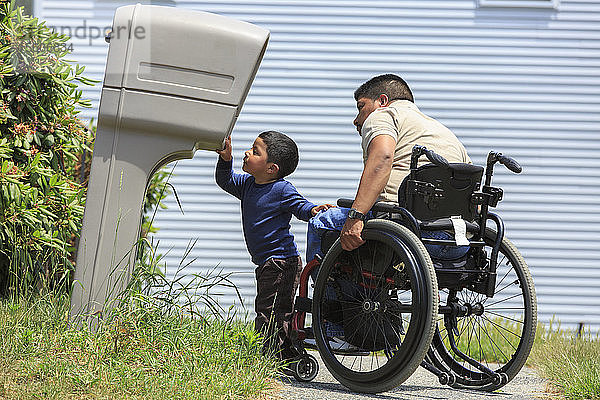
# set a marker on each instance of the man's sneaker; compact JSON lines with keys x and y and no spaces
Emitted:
{"x":339,"y":346}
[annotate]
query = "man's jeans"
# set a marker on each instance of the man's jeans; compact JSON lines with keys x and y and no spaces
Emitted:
{"x":334,"y":219}
{"x":443,"y":252}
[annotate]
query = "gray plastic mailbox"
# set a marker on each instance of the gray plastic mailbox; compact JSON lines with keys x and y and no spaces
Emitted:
{"x":175,"y":82}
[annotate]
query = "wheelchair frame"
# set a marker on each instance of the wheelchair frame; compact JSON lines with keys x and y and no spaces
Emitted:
{"x":478,"y":278}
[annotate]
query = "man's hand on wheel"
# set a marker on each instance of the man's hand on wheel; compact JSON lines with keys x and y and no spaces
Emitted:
{"x":350,"y":235}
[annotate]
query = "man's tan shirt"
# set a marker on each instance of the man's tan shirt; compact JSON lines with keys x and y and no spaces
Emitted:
{"x":409,"y":126}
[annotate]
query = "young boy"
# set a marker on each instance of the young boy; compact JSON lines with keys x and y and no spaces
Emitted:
{"x":268,"y":202}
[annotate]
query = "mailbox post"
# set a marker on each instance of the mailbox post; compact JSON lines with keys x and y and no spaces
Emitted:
{"x":175,"y":82}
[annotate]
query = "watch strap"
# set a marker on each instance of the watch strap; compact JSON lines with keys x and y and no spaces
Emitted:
{"x":355,"y":214}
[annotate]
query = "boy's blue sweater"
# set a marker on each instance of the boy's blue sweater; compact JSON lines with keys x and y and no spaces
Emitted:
{"x":266,"y":212}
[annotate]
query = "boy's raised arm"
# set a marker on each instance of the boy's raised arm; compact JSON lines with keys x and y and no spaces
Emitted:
{"x":224,"y":176}
{"x":225,"y":153}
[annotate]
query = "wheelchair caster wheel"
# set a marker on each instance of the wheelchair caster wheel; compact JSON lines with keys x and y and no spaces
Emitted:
{"x":497,"y":379}
{"x":447,"y":379}
{"x":306,"y":368}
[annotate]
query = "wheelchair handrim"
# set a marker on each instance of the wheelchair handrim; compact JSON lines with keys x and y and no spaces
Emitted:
{"x":417,"y":324}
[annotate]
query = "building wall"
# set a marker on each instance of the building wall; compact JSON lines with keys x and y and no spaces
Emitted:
{"x":521,"y":80}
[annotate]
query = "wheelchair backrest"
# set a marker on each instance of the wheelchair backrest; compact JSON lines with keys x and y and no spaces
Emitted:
{"x":439,"y":192}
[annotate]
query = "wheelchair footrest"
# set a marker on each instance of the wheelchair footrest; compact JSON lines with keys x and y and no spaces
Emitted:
{"x":303,"y":304}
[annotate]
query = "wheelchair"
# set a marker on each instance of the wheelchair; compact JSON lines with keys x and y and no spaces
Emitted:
{"x":433,"y":285}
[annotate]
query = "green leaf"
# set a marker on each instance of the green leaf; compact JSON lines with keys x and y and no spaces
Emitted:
{"x":36,"y":159}
{"x":49,"y":140}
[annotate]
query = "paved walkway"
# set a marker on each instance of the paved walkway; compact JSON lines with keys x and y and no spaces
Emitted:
{"x":421,"y":385}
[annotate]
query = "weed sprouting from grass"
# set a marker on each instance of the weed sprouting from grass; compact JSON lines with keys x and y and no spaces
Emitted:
{"x":190,"y":294}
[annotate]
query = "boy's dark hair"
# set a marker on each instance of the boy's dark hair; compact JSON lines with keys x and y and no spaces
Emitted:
{"x":394,"y":87}
{"x":281,"y":150}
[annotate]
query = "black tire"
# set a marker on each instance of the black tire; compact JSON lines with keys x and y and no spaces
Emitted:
{"x":388,"y":307}
{"x":502,"y":336}
{"x":306,"y":368}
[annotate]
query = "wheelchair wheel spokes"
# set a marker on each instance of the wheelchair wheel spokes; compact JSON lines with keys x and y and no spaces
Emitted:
{"x":382,"y":298}
{"x":495,"y":332}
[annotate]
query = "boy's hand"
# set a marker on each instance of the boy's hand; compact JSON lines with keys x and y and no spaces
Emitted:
{"x":322,"y":207}
{"x":226,"y":152}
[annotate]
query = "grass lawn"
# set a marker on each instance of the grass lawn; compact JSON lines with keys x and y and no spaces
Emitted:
{"x":141,"y":354}
{"x":149,"y":353}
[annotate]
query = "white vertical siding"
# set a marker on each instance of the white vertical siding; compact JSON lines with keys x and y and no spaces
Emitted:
{"x":524,"y":81}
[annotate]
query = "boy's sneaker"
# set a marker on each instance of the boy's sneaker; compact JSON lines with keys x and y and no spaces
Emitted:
{"x":288,"y":369}
{"x":308,"y":331}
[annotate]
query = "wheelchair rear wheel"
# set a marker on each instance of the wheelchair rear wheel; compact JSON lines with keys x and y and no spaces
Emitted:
{"x":497,"y":332}
{"x":384,"y":295}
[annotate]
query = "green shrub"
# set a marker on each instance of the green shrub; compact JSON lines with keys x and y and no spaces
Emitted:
{"x":41,"y":139}
{"x":42,"y":193}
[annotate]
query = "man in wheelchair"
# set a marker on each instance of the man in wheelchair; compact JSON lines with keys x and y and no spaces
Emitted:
{"x":414,"y":227}
{"x":390,"y":124}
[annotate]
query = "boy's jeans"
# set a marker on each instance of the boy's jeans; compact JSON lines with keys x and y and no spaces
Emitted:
{"x":276,"y":284}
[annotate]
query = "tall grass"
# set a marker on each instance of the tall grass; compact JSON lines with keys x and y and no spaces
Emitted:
{"x":570,"y":362}
{"x":151,"y":346}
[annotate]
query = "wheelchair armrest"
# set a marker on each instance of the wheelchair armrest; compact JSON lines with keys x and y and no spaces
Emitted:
{"x":443,"y":224}
{"x":379,"y":206}
{"x":347,"y":203}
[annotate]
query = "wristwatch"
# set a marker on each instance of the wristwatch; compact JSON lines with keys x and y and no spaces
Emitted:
{"x":355,"y":214}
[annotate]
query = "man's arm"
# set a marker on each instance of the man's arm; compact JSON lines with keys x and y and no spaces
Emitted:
{"x":374,"y":178}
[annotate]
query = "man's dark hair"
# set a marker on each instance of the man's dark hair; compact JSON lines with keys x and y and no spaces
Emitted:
{"x":281,"y":150}
{"x":394,"y":87}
